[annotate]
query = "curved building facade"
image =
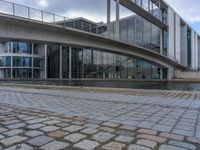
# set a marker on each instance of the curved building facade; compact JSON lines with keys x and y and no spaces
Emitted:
{"x":152,"y":43}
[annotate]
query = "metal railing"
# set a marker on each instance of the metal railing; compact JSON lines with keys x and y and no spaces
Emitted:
{"x":51,"y":18}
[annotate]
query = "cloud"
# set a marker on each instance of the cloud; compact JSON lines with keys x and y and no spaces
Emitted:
{"x":189,"y":10}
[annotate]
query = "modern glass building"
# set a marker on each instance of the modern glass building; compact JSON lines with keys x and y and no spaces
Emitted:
{"x":150,"y":44}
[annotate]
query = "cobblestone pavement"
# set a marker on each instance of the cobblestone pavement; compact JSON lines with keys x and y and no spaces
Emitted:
{"x":55,"y":119}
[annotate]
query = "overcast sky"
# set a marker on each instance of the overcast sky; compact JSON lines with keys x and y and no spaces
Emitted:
{"x":96,"y":9}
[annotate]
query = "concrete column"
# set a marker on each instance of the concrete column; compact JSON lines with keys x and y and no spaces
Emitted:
{"x":45,"y":62}
{"x":32,"y":75}
{"x":60,"y":61}
{"x":70,"y":62}
{"x":161,"y":41}
{"x":117,"y":19}
{"x":161,"y":73}
{"x":11,"y":71}
{"x":108,"y":17}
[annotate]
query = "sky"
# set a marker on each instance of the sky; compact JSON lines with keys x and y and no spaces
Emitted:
{"x":95,"y":10}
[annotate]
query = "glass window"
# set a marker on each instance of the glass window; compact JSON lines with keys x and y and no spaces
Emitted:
{"x":5,"y":61}
{"x":22,"y":61}
{"x":37,"y":62}
{"x":22,"y":73}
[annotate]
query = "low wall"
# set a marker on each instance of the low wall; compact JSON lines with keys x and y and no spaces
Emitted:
{"x":187,"y":74}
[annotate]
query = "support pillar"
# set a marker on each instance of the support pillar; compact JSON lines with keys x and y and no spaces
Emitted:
{"x":161,"y":41}
{"x":11,"y":69}
{"x":45,"y":62}
{"x":60,"y":61}
{"x":117,"y":19}
{"x":108,"y":17}
{"x":32,"y":51}
{"x":70,"y":63}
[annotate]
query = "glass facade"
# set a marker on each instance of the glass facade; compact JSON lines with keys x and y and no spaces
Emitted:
{"x":92,"y":63}
{"x":5,"y":61}
{"x":189,"y":48}
{"x":22,"y":61}
{"x":22,"y":73}
{"x":21,"y":47}
{"x":137,"y":30}
{"x":53,"y":61}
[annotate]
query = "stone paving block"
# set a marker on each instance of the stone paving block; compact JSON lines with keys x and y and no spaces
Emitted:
{"x":147,"y":131}
{"x":114,"y":146}
{"x":39,"y":141}
{"x":163,"y":128}
{"x":107,"y":129}
{"x":58,"y":134}
{"x":75,"y":137}
{"x":146,"y":124}
{"x":131,"y":128}
{"x":89,"y":131}
{"x":182,"y":144}
{"x":55,"y":145}
{"x":172,"y":136}
{"x":1,"y":136}
{"x":62,"y":124}
{"x":169,"y":147}
{"x":193,"y":140}
{"x":78,"y":123}
{"x":15,"y":126}
{"x":73,"y":128}
{"x":13,"y":132}
{"x":49,"y":128}
{"x":124,"y":139}
{"x":38,"y":120}
{"x":147,"y":143}
{"x":94,"y":121}
{"x":183,"y":132}
{"x":3,"y":129}
{"x":152,"y":137}
{"x":12,"y":140}
{"x":36,"y":126}
{"x":87,"y":145}
{"x":91,"y":125}
{"x":52,"y":122}
{"x":125,"y":132}
{"x":110,"y":124}
{"x":102,"y":136}
{"x":20,"y":147}
{"x":10,"y":122}
{"x":33,"y":133}
{"x":138,"y":147}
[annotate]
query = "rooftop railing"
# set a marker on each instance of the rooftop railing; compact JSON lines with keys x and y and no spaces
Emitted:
{"x":51,"y":18}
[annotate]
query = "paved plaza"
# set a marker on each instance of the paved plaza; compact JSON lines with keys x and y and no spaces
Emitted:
{"x":88,"y":119}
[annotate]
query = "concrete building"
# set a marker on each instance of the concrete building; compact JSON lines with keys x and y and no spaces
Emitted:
{"x":153,"y":43}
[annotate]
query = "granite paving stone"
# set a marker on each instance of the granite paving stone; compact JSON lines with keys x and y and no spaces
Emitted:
{"x":40,"y":140}
{"x":87,"y":145}
{"x":182,"y":144}
{"x":125,"y":139}
{"x":138,"y":147}
{"x":114,"y":146}
{"x":55,"y":145}
{"x":102,"y":136}
{"x":75,"y":137}
{"x":33,"y":133}
{"x":49,"y":128}
{"x":20,"y":147}
{"x":79,"y":119}
{"x":12,"y":140}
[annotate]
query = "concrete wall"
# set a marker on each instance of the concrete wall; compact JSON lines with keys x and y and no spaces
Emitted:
{"x":198,"y":52}
{"x":2,"y":48}
{"x":1,"y":74}
{"x":184,"y":45}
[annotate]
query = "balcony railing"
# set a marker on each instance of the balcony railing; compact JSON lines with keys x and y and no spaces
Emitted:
{"x":51,"y":18}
